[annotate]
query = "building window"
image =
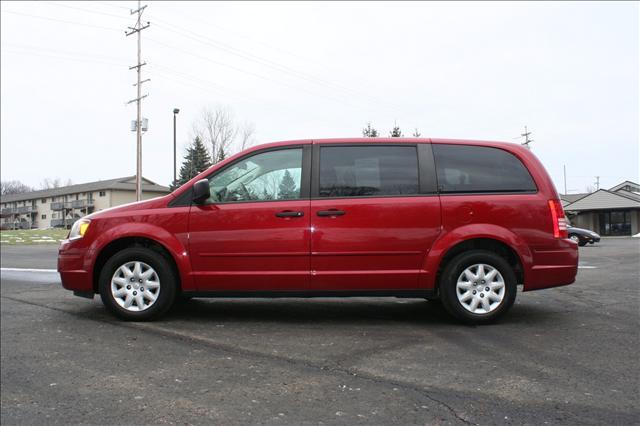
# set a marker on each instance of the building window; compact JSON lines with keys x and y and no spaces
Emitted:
{"x":103,"y":193}
{"x":615,"y":223}
{"x":44,"y":216}
{"x":43,"y":201}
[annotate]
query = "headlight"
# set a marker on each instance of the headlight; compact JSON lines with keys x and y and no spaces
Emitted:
{"x":79,"y":228}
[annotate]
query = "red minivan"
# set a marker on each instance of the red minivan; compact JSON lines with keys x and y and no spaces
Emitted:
{"x":460,"y":221}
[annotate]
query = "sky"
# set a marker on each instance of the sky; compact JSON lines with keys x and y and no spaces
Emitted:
{"x":568,"y":71}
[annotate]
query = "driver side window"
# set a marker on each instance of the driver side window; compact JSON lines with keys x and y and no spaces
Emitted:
{"x":273,"y":175}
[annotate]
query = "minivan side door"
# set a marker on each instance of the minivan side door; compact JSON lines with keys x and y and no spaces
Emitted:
{"x":375,"y":213}
{"x":253,"y":232}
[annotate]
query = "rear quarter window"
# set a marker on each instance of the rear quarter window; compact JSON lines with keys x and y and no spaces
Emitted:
{"x":466,"y":168}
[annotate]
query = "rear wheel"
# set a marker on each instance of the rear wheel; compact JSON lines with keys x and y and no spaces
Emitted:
{"x":137,"y":284}
{"x":574,"y":237}
{"x":478,"y":286}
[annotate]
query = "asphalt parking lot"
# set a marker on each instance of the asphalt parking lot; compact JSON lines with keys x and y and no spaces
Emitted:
{"x":567,"y":355}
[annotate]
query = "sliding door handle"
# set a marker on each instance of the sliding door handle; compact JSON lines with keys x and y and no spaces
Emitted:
{"x":331,"y":212}
{"x":289,"y":213}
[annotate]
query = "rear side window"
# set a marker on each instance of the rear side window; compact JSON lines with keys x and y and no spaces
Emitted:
{"x":465,"y":168}
{"x":359,"y":171}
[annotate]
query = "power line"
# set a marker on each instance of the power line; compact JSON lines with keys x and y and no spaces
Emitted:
{"x":95,"y":61}
{"x":208,"y":59}
{"x":104,"y":3}
{"x":63,"y":52}
{"x":166,"y":72}
{"x":237,"y":52}
{"x":61,"y":20}
{"x":86,"y":10}
{"x":266,"y":62}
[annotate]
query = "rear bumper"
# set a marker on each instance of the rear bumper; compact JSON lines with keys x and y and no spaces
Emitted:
{"x":74,"y":273}
{"x":553,"y":266}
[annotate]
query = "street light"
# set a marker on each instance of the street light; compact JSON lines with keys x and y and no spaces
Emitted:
{"x":175,"y":112}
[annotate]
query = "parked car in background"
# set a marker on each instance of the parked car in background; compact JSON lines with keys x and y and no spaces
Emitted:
{"x":582,"y":236}
{"x":460,"y":221}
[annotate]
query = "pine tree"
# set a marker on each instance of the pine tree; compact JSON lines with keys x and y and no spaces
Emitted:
{"x":416,"y":133}
{"x":266,"y":195}
{"x":195,"y":161}
{"x":287,"y":189}
{"x":369,"y":132}
{"x":396,"y":132}
{"x":221,"y":155}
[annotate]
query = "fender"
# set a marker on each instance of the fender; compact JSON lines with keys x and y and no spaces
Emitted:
{"x":151,"y":232}
{"x":449,"y":239}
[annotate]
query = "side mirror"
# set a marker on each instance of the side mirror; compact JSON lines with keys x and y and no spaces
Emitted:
{"x":201,"y":191}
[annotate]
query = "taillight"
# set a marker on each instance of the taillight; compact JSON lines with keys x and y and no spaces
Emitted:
{"x":558,"y":219}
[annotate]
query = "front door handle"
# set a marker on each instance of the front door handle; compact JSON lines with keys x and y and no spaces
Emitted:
{"x":332,"y":212}
{"x":289,"y":213}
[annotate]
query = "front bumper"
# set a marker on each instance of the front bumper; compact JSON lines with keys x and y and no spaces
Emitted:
{"x":74,"y":268}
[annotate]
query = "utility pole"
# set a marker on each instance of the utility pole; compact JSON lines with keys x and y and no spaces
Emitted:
{"x":175,"y":113}
{"x":564,"y":169}
{"x":597,"y":182}
{"x":138,"y":100}
{"x":526,"y":135}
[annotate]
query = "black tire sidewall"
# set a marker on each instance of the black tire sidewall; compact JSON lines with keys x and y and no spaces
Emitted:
{"x":152,"y":258}
{"x":452,"y":271}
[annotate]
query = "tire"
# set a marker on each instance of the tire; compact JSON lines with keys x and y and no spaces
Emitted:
{"x":574,"y":237}
{"x":161,"y":282}
{"x":463,"y":271}
{"x":582,"y":243}
{"x":183,"y":299}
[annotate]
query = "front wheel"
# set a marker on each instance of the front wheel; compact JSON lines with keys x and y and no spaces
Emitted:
{"x":137,"y":284}
{"x":478,"y":286}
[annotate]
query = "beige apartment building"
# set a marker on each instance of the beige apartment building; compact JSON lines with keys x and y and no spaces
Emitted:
{"x":60,"y":207}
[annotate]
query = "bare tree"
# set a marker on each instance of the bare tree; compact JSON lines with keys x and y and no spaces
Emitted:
{"x":8,"y":187}
{"x":48,"y":183}
{"x":216,"y":128}
{"x":416,"y":133}
{"x":247,"y":132}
